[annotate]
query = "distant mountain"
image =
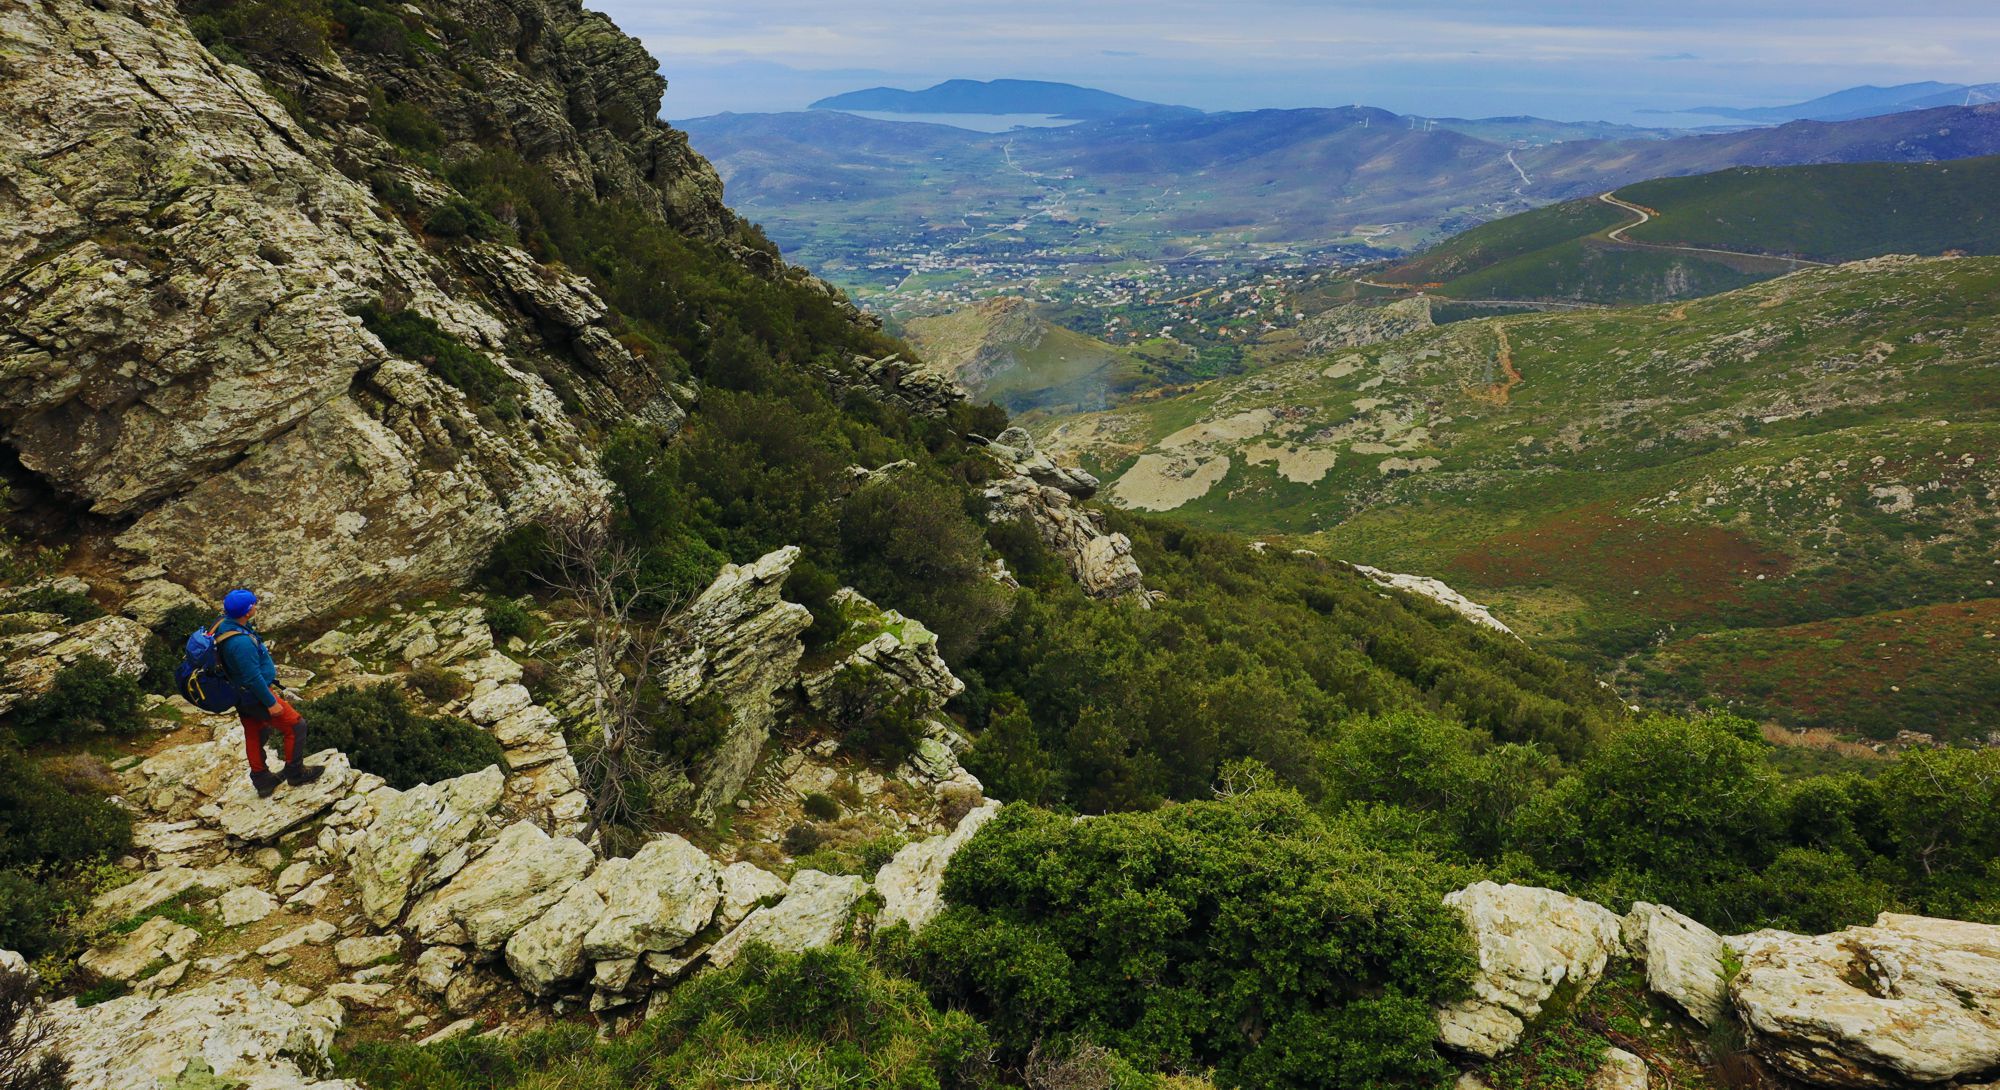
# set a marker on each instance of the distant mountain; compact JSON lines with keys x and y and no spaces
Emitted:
{"x":1868,"y":101}
{"x":1000,"y":96}
{"x":1715,"y":232}
{"x":841,"y":192}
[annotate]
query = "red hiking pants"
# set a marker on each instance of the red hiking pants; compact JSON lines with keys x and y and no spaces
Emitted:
{"x":284,"y":719}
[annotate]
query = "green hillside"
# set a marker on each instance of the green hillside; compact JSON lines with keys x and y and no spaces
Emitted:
{"x":1800,"y":451}
{"x":1764,"y":217}
{"x":1005,"y":351}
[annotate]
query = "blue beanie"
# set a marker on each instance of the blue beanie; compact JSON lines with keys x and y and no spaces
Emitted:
{"x":237,"y":603}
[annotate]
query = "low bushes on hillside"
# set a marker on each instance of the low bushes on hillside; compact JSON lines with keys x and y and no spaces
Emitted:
{"x":819,"y":1020}
{"x":89,"y":697}
{"x":380,"y":733}
{"x":49,"y":834}
{"x":1246,"y":934}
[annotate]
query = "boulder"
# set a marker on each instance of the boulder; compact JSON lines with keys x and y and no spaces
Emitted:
{"x":744,"y":887}
{"x":1683,"y":960}
{"x":227,"y":1029}
{"x":245,"y":905}
{"x":814,"y":913}
{"x":247,"y":817}
{"x":653,"y":902}
{"x":1530,"y":942}
{"x":127,"y":958}
{"x":1909,"y":1000}
{"x":366,"y":950}
{"x":522,"y":875}
{"x":738,"y":640}
{"x":144,"y":894}
{"x":419,"y":839}
{"x":911,"y":884}
{"x":437,"y":966}
{"x":118,"y":640}
{"x":1436,"y":591}
{"x":316,"y":933}
{"x":1101,"y":562}
{"x":1620,"y":1070}
{"x":548,"y":953}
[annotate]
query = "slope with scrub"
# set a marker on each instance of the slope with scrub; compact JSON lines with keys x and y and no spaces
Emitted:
{"x":1812,"y":448}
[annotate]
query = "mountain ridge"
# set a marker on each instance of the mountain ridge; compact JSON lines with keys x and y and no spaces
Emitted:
{"x":999,"y":96}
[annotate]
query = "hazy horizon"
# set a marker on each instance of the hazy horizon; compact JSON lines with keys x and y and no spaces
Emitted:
{"x":1458,"y":57}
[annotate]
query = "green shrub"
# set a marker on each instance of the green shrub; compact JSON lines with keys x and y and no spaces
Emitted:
{"x":1245,"y":934}
{"x":1675,"y":811}
{"x":44,"y":824}
{"x":820,"y":806}
{"x":460,"y":218}
{"x":89,"y":697}
{"x":71,"y":605}
{"x":31,"y":915}
{"x":522,"y":562}
{"x":437,"y":684}
{"x":379,"y":733}
{"x":508,"y":620}
{"x":821,"y":1020}
{"x":876,"y":717}
{"x":406,"y":125}
{"x":419,"y":339}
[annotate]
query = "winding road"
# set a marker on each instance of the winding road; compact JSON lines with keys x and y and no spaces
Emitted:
{"x":1617,"y":234}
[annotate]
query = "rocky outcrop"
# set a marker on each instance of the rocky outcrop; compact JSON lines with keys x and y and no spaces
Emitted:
{"x":181,"y":342}
{"x":1907,"y":1001}
{"x":1047,"y":496}
{"x":910,"y":386}
{"x":548,"y":953}
{"x":1683,"y":960}
{"x":419,"y":839}
{"x":1353,"y":325}
{"x":654,"y":902}
{"x":911,"y":884}
{"x":223,"y":1034}
{"x":900,"y":650}
{"x":815,"y":912}
{"x":1530,"y":943}
{"x":1436,"y":591}
{"x":518,"y":878}
{"x":739,"y":641}
{"x":33,"y":658}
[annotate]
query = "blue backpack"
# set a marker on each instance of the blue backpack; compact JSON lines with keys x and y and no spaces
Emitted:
{"x":200,"y":678}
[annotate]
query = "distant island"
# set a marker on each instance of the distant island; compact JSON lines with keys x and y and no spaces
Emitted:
{"x":1859,"y":102}
{"x":1000,"y":96}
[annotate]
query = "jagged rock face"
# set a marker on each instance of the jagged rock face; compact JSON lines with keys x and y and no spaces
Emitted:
{"x":227,"y":1030}
{"x":33,"y":659}
{"x":739,"y":640}
{"x":180,"y":352}
{"x":1530,"y":942}
{"x":891,"y":379}
{"x":902,"y":649}
{"x":1910,"y":1000}
{"x":1046,"y":496}
{"x":1683,"y":960}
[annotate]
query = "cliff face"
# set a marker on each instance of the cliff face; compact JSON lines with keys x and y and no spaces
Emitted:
{"x":185,"y":245}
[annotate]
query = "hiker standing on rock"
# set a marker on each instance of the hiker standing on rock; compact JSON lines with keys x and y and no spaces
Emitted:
{"x":235,"y":655}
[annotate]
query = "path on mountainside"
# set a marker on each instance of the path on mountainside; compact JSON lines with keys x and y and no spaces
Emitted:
{"x":1484,"y":302}
{"x":1499,"y":392}
{"x":1525,"y":180}
{"x":1646,"y":215}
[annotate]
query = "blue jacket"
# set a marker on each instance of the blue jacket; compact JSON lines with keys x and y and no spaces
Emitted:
{"x":247,"y":663}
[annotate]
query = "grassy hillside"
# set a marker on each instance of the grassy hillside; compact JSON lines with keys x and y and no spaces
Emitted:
{"x":1805,"y":450}
{"x":1005,"y":351}
{"x":1823,"y":213}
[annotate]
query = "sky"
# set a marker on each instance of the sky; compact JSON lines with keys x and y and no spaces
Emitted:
{"x":1579,"y":60}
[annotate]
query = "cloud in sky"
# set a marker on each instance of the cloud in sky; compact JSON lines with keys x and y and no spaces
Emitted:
{"x":1454,"y":57}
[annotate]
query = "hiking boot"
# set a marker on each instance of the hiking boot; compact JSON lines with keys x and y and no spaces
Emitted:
{"x":264,"y":782}
{"x":299,"y":773}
